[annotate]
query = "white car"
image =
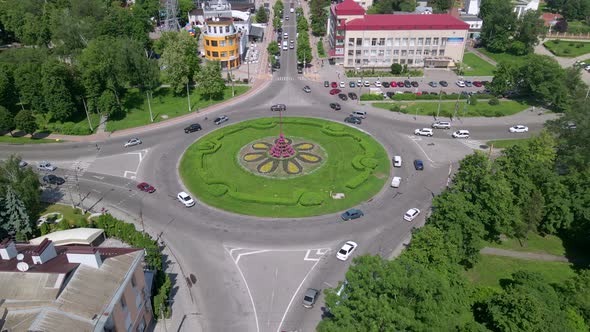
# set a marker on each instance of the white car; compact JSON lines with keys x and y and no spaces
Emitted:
{"x":367,"y":84}
{"x":461,"y":134}
{"x":46,"y":166}
{"x":461,"y":84}
{"x":359,"y":83}
{"x":423,"y":132}
{"x":396,"y":181}
{"x":411,"y":214}
{"x":342,"y":85}
{"x":519,"y":129}
{"x":132,"y":142}
{"x":185,"y":199}
{"x":378,"y":84}
{"x":346,"y":250}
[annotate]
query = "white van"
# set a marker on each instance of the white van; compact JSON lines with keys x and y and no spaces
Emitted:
{"x":285,"y":45}
{"x":359,"y":114}
{"x":395,"y":182}
{"x":397,"y":161}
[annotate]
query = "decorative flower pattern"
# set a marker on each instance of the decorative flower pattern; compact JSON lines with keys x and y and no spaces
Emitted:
{"x":263,"y":156}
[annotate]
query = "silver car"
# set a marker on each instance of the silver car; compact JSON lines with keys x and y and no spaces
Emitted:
{"x":311,"y":295}
{"x":132,"y":142}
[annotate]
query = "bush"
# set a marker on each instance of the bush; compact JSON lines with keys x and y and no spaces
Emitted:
{"x":311,"y":199}
{"x":404,"y":96}
{"x":395,"y":108}
{"x":370,"y":163}
{"x":357,"y":163}
{"x":371,"y":96}
{"x":494,"y":101}
{"x":358,"y":180}
{"x":567,"y":51}
{"x":217,"y":189}
{"x":473,"y":100}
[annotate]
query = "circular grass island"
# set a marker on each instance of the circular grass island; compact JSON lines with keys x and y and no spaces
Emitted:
{"x":306,"y":168}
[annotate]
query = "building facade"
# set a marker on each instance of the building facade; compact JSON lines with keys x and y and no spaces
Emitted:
{"x":358,"y":40}
{"x":221,"y":41}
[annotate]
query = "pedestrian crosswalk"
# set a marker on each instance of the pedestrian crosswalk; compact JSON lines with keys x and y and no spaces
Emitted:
{"x":297,"y":78}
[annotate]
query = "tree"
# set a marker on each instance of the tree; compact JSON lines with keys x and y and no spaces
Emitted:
{"x":6,"y":121}
{"x":396,"y":68}
{"x":261,"y":16}
{"x":29,"y":85}
{"x":504,"y":78}
{"x":180,"y":59}
{"x":442,"y":6}
{"x":209,"y":80}
{"x":25,"y":121}
{"x":537,"y":79}
{"x":23,"y":181}
{"x":499,"y":24}
{"x":107,"y":103}
{"x":8,"y":97}
{"x":529,"y":28}
{"x":273,"y":48}
{"x":56,"y":87}
{"x":560,"y":26}
{"x":14,"y":218}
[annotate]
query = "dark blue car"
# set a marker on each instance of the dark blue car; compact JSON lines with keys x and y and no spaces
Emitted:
{"x":352,"y":214}
{"x":418,"y":165}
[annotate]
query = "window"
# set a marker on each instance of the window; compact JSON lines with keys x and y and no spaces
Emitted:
{"x":224,"y":54}
{"x":366,"y":52}
{"x":232,"y":53}
{"x":420,"y":41}
{"x":339,"y":42}
{"x":365,"y":62}
{"x":412,"y":41}
{"x":141,"y":326}
{"x":227,"y":28}
{"x":381,"y":41}
{"x":381,"y":52}
{"x":404,"y":41}
{"x":366,"y":42}
{"x":357,"y":61}
{"x":216,"y":54}
{"x":359,"y":42}
{"x":350,"y":41}
{"x":411,"y":52}
{"x":388,"y":53}
{"x":443,"y":41}
{"x":395,"y":61}
{"x":441,"y":52}
{"x":207,"y":42}
{"x":222,"y":43}
{"x":434,"y":41}
{"x":374,"y":42}
{"x":426,"y":52}
{"x":350,"y":62}
{"x":214,"y":43}
{"x":358,"y":52}
{"x":389,"y":42}
{"x":350,"y":52}
{"x":433,"y":52}
{"x":373,"y":52}
{"x":133,"y":283}
{"x":231,"y":42}
{"x":123,"y":302}
{"x":410,"y":61}
{"x":396,"y":42}
{"x":395,"y":52}
{"x":418,"y":52}
{"x":402,"y":61}
{"x":208,"y":53}
{"x":404,"y":53}
{"x":427,"y":41}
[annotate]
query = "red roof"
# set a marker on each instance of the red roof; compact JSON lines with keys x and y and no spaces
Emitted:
{"x":550,"y":18}
{"x":407,"y":22}
{"x":349,"y":7}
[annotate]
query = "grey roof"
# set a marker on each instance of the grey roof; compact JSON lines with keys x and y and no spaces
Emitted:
{"x":33,"y":303}
{"x":256,"y":31}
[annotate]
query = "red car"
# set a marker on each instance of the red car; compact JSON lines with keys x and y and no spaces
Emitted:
{"x":334,"y":84}
{"x":477,"y":84}
{"x":335,"y":91}
{"x":400,"y":84}
{"x":393,"y":84}
{"x":146,"y":187}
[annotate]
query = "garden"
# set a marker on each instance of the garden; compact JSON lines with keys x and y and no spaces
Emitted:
{"x":476,"y":66}
{"x":460,"y":109}
{"x":318,"y":167}
{"x":567,"y":48}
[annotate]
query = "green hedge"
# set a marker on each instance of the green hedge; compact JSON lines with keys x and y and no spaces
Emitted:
{"x":358,"y":180}
{"x":371,"y":96}
{"x":382,"y":73}
{"x":127,"y":233}
{"x":311,"y":199}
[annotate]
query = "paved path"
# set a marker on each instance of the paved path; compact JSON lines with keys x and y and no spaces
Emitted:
{"x":481,"y":55}
{"x":523,"y":255}
{"x":563,"y":61}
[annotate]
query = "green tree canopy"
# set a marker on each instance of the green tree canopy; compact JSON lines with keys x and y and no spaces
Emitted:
{"x":179,"y":59}
{"x":261,"y":16}
{"x":209,"y":80}
{"x":25,"y":121}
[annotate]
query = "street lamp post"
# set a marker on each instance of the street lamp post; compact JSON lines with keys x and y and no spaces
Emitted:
{"x":233,"y":92}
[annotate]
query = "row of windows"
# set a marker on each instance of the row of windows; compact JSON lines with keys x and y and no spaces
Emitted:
{"x":395,"y":52}
{"x":383,"y":62}
{"x":396,"y":41}
{"x":215,"y":28}
{"x":221,"y":43}
{"x":223,"y":54}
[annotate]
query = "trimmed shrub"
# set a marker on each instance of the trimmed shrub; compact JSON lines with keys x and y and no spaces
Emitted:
{"x":357,"y":163}
{"x":358,"y":180}
{"x":263,"y":200}
{"x":371,"y":96}
{"x":404,"y":96}
{"x":217,"y":189}
{"x":311,"y":199}
{"x":370,"y":163}
{"x":494,"y":101}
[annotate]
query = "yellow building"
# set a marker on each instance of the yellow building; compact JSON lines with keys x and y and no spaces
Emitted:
{"x":221,"y":40}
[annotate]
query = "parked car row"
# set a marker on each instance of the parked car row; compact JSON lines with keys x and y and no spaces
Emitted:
{"x":402,"y":84}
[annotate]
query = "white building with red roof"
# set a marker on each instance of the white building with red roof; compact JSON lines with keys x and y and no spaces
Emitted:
{"x":360,"y":40}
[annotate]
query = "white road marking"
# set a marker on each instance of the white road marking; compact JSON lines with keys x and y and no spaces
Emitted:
{"x":272,"y":295}
{"x":295,"y":294}
{"x":232,"y":250}
{"x":133,"y":175}
{"x":426,"y":154}
{"x":141,"y":154}
{"x":320,"y":252}
{"x":249,"y":292}
{"x":98,"y":177}
{"x":249,"y":253}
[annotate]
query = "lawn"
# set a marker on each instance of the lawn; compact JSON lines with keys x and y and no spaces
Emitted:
{"x":76,"y":126}
{"x":507,"y":143}
{"x":214,"y":170}
{"x":447,"y":109}
{"x":549,"y":244}
{"x":476,"y":66}
{"x":165,"y":105}
{"x":25,"y":140}
{"x":72,"y":216}
{"x":490,"y":269}
{"x":498,"y":57}
{"x":567,"y":48}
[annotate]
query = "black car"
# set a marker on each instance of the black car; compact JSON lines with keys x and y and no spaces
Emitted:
{"x":279,"y":39}
{"x":407,"y":84}
{"x":278,"y":108}
{"x":335,"y":106}
{"x":299,"y":70}
{"x":326,"y":84}
{"x":342,"y":97}
{"x":192,"y":128}
{"x":444,"y":84}
{"x":390,"y":94}
{"x":353,"y":120}
{"x":280,"y":30}
{"x":415,"y":84}
{"x":52,"y":179}
{"x":418,"y":165}
{"x":385,"y":84}
{"x":352,"y":96}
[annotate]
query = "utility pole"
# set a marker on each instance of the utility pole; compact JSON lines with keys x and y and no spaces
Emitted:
{"x":148,"y":94}
{"x":439,"y":101}
{"x":188,"y":95}
{"x":231,"y":78}
{"x":85,"y":109}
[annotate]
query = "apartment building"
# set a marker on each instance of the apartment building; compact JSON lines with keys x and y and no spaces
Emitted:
{"x":359,"y":40}
{"x":44,"y":287}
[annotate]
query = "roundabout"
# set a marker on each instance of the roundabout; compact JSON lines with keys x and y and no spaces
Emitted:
{"x":298,"y":168}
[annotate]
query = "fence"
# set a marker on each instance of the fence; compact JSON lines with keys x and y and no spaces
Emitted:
{"x":566,"y":35}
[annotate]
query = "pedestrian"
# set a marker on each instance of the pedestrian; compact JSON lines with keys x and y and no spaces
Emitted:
{"x":97,"y":147}
{"x":533,"y":110}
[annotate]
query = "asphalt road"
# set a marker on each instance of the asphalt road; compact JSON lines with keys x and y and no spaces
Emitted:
{"x":252,"y":272}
